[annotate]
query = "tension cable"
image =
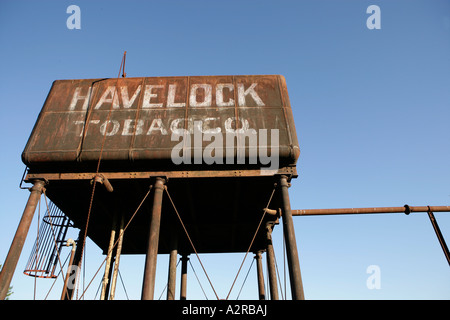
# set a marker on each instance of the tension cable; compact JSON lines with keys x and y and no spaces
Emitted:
{"x":121,"y":234}
{"x":253,"y":239}
{"x":192,"y":244}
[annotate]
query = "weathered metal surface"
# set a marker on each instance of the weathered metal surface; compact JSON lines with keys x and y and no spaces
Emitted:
{"x":67,"y":176}
{"x":148,"y":118}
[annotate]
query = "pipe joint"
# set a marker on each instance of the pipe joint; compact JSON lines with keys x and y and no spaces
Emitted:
{"x":99,"y":178}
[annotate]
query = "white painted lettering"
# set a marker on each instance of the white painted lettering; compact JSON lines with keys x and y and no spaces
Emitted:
{"x":174,"y":126}
{"x":171,"y":97}
{"x":83,"y":126}
{"x":105,"y":126}
{"x":200,"y":95}
{"x":206,"y":127}
{"x":129,"y":127}
{"x":127,"y":103}
{"x":77,"y":97}
{"x":157,"y":125}
{"x":108,"y":96}
{"x":148,"y":95}
{"x":229,"y":125}
{"x":242,"y":93}
{"x":193,"y":95}
{"x":219,"y":95}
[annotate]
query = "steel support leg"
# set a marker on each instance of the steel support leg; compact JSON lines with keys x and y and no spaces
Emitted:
{"x":260,"y":276}
{"x":19,"y":238}
{"x":76,"y":264}
{"x":109,"y":256}
{"x":148,"y":286}
{"x":291,"y":244}
{"x":273,"y":285}
{"x":183,"y":289}
{"x":171,"y":281}
{"x":117,"y":261}
{"x":64,"y":294}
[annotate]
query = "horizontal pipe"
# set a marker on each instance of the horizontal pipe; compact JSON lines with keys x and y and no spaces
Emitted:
{"x":405,"y":209}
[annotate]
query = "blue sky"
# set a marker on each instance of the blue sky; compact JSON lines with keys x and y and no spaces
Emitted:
{"x":371,"y":108}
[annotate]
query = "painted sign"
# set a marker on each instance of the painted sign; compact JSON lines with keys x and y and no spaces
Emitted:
{"x":173,"y":119}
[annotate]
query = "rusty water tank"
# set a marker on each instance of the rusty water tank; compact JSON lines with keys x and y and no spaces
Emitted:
{"x":176,"y":127}
{"x":146,"y":123}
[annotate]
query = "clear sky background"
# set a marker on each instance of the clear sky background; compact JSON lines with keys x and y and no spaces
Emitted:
{"x":371,"y":107}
